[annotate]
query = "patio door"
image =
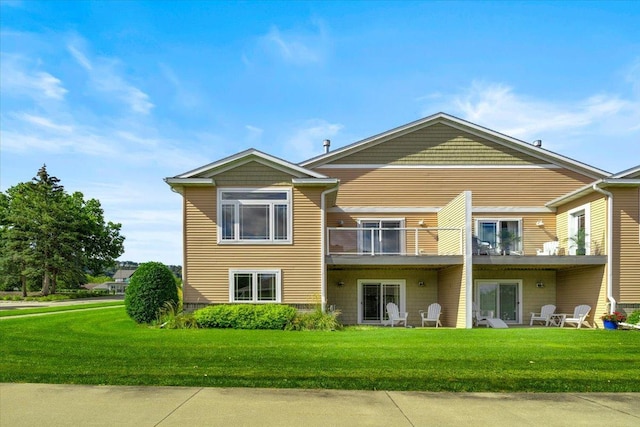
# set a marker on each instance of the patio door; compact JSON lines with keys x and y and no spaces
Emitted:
{"x":381,"y":237}
{"x":500,"y":297}
{"x":373,"y":297}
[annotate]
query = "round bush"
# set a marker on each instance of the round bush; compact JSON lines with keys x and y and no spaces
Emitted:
{"x":152,"y":286}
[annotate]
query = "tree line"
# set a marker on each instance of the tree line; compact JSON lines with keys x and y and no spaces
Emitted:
{"x":48,"y":236}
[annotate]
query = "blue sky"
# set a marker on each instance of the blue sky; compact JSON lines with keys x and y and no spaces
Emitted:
{"x":115,"y":96}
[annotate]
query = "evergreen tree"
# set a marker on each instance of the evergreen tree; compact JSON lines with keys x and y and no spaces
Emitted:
{"x":48,"y":233}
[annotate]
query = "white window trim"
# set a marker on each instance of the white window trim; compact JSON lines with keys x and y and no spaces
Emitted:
{"x":402,"y":221}
{"x":571,"y":228}
{"x":254,"y":284}
{"x":403,"y":296}
{"x":519,"y":282}
{"x":237,"y":240}
{"x":499,"y":219}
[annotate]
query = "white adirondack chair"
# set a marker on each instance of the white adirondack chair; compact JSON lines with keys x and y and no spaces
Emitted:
{"x":544,"y":316}
{"x":549,"y":248}
{"x":479,"y":318}
{"x":579,"y":317}
{"x":395,"y":317}
{"x":432,"y":314}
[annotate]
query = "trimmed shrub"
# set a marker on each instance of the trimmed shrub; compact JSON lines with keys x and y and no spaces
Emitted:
{"x":172,"y":317}
{"x":634,"y":318}
{"x":245,"y":316}
{"x":316,"y":320}
{"x":152,"y":286}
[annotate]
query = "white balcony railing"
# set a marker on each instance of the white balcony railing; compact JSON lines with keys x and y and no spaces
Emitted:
{"x":394,"y":241}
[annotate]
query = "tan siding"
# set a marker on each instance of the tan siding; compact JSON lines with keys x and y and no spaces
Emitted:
{"x":208,"y":263}
{"x":597,"y":232}
{"x":439,"y":144}
{"x":532,"y":298}
{"x":582,"y":286}
{"x":598,"y":229}
{"x":346,"y":297}
{"x":252,"y":174}
{"x":436,"y":187}
{"x":454,"y":215}
{"x":450,"y":295}
{"x":626,"y":225}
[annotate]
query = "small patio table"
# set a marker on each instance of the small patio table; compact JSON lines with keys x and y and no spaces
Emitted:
{"x":557,"y":319}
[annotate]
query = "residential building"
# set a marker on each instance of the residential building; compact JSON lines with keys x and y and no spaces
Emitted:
{"x":438,"y":210}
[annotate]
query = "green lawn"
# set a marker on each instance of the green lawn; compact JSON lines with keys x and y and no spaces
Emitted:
{"x":106,"y":347}
{"x":23,"y":311}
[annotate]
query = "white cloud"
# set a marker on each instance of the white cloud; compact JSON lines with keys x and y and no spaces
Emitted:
{"x":295,"y":46}
{"x":80,"y":58}
{"x":306,"y":141}
{"x":105,"y":76}
{"x":254,"y":134}
{"x":632,"y":76}
{"x":20,"y":76}
{"x":45,"y":123}
{"x":184,"y":95}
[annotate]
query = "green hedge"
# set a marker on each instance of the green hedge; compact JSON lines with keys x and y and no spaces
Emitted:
{"x":245,"y":316}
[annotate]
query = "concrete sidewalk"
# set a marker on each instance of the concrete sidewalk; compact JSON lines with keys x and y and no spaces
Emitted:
{"x":71,"y":405}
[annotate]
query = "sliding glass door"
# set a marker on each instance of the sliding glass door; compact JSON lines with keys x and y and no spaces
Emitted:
{"x":373,"y":298}
{"x":500,"y":297}
{"x":381,"y":237}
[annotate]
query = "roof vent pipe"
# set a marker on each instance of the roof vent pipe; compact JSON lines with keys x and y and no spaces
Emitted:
{"x":326,"y":144}
{"x":537,"y":143}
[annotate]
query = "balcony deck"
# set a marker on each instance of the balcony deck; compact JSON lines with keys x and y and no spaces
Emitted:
{"x":556,"y":262}
{"x":431,"y":261}
{"x":435,"y":247}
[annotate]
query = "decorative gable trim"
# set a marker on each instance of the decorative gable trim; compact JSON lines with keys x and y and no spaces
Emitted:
{"x":462,"y":125}
{"x":239,"y":159}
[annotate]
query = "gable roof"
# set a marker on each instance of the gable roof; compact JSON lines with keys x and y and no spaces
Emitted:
{"x":630,"y":173}
{"x":233,"y":161}
{"x":463,"y":125}
{"x":123,"y":273}
{"x":204,"y":175}
{"x":626,"y":178}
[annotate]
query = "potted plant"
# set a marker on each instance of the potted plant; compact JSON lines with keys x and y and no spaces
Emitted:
{"x":580,"y":240}
{"x":508,"y":239}
{"x":610,"y":320}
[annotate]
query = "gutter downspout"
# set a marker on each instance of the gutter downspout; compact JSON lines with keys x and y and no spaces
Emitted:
{"x":323,"y":246}
{"x":612,"y":300}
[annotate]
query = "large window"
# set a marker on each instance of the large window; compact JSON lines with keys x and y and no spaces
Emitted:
{"x":579,"y":224}
{"x":502,"y":235}
{"x":381,"y":236}
{"x":254,"y":286}
{"x":254,"y":216}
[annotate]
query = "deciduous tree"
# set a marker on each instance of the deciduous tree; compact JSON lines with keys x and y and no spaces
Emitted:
{"x":48,"y":233}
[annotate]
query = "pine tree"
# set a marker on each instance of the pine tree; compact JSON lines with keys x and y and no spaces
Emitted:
{"x":48,"y":233}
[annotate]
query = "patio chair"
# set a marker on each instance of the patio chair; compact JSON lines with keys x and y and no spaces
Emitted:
{"x":394,"y":315}
{"x":480,"y":247}
{"x":549,"y":248}
{"x":579,"y":317}
{"x":479,"y":318}
{"x":544,"y":316}
{"x":432,"y":314}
